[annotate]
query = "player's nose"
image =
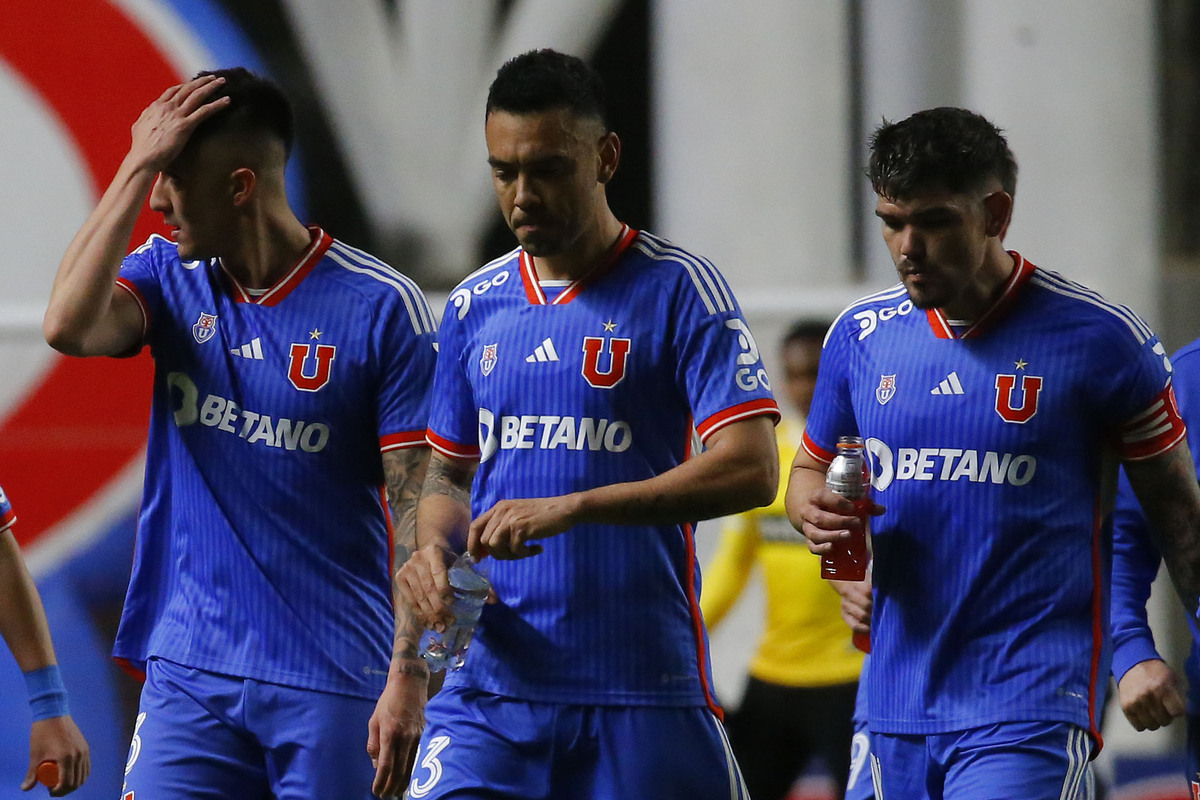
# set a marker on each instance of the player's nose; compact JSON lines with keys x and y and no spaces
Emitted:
{"x":159,"y":202}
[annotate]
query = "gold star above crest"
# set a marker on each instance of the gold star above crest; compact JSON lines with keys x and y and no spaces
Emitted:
{"x":610,"y":326}
{"x":315,"y":333}
{"x":1021,"y":363}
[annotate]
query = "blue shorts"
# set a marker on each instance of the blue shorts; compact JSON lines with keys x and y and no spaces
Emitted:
{"x":1030,"y":760}
{"x":859,"y":785}
{"x":480,"y":745}
{"x":203,"y":735}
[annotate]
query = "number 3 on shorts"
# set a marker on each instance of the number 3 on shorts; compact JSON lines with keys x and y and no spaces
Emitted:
{"x":420,"y":788}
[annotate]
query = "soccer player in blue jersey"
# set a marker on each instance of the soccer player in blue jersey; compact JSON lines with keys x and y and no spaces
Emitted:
{"x":54,"y":736}
{"x":1150,"y":692}
{"x":574,"y":374}
{"x":289,"y":408}
{"x":995,"y":398}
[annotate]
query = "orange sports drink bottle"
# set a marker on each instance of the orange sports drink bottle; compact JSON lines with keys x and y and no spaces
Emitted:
{"x":850,"y":477}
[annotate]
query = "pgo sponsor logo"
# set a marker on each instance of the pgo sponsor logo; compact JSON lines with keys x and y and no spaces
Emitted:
{"x":205,"y":327}
{"x":488,"y":362}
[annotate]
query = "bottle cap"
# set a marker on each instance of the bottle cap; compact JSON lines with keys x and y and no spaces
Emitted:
{"x":47,"y":774}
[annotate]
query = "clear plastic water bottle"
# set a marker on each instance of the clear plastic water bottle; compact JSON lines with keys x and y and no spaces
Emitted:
{"x":850,"y":477}
{"x":471,"y":587}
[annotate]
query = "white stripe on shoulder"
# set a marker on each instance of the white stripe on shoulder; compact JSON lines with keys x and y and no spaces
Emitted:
{"x":419,"y":312}
{"x":708,"y":282}
{"x":1054,"y":282}
{"x":493,"y":265}
{"x":146,"y":245}
{"x":891,"y":293}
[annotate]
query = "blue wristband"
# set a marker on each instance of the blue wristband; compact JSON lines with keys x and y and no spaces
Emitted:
{"x":47,"y":694}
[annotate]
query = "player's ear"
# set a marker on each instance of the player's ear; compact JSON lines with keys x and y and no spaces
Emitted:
{"x":999,"y":206}
{"x":242,"y":183}
{"x":608,"y":155}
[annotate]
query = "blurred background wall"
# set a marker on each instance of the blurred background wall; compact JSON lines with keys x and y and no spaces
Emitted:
{"x":744,"y":128}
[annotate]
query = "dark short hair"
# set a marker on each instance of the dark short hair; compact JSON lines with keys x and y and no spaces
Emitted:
{"x":257,"y":106}
{"x":939,"y":148}
{"x":544,"y":80}
{"x":804,"y":330}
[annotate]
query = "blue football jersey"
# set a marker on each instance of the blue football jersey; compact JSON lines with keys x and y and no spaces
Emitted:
{"x":993,"y":449}
{"x":607,"y":382}
{"x":7,"y":515}
{"x":264,"y":539}
{"x":1136,"y":558}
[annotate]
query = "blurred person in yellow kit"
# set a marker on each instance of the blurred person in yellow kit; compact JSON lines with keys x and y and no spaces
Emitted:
{"x":799,"y":696}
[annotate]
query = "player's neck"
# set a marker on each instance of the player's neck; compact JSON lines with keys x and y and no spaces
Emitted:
{"x":584,"y":254}
{"x":985,"y":289}
{"x":268,"y":247}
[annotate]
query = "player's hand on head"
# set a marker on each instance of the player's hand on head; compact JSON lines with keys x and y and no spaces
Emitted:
{"x":423,"y":584}
{"x":508,"y":529}
{"x":163,"y":128}
{"x":1151,"y":695}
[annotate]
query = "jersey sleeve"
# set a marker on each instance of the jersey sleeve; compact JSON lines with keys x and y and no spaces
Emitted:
{"x":140,"y":275}
{"x":7,"y":516}
{"x":407,"y":353}
{"x":453,"y":421}
{"x":1134,"y":566}
{"x":1136,"y":392}
{"x":832,"y":411}
{"x":720,"y":369}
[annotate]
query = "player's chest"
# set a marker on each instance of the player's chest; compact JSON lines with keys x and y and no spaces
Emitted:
{"x":995,"y":390}
{"x":576,"y":348}
{"x":303,"y":354}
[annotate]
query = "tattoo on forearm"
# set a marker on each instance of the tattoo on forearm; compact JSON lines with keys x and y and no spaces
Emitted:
{"x":450,"y":480}
{"x":1171,"y":499}
{"x":403,"y":473}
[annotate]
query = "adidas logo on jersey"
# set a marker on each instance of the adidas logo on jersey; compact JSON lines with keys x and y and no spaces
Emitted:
{"x":251,"y":350}
{"x":949,"y":385}
{"x":544,"y":352}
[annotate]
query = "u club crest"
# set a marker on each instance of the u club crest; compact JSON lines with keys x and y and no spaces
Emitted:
{"x":488,"y":362}
{"x":886,"y":389}
{"x":204,"y":328}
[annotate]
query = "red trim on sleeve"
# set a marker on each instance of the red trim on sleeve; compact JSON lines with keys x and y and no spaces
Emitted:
{"x":396,"y":441}
{"x":8,"y":520}
{"x":751,"y":408}
{"x":1154,"y":431}
{"x":449,"y":448}
{"x":129,"y":286}
{"x":815,"y":450}
{"x":133,"y":672}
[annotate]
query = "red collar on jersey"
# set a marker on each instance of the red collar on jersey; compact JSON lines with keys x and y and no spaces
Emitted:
{"x":274,"y":295}
{"x":1016,"y":282}
{"x":533,"y":288}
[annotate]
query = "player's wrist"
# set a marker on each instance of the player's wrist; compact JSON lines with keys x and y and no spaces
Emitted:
{"x":47,"y":693}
